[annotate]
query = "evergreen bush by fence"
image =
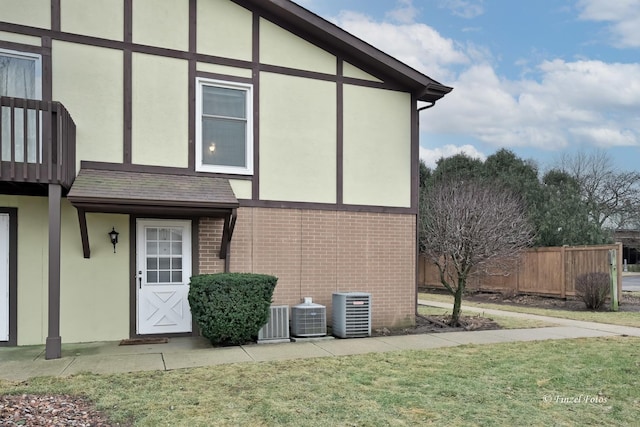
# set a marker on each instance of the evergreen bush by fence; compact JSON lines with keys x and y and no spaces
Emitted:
{"x":230,"y":308}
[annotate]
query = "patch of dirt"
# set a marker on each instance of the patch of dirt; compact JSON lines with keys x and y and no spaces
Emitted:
{"x":50,"y":410}
{"x":432,"y":324}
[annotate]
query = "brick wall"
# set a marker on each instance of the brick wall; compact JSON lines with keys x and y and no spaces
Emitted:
{"x":209,"y":239}
{"x":315,"y":253}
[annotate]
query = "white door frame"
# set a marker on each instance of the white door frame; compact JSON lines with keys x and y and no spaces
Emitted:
{"x":4,"y":276}
{"x":162,"y":306}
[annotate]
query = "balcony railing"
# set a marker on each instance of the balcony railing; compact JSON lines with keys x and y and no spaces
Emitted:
{"x":37,"y":142}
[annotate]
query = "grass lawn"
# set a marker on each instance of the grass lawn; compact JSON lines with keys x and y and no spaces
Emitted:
{"x":562,"y":383}
{"x":504,"y":321}
{"x":613,"y":318}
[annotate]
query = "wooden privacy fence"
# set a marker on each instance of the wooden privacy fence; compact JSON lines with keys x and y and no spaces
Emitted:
{"x":545,"y":271}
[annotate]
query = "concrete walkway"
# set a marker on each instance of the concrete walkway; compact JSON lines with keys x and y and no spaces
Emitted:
{"x":21,"y":363}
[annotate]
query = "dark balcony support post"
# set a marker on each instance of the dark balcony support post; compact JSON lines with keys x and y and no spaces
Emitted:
{"x":54,"y":341}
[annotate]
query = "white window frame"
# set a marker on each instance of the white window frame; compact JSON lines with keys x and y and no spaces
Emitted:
{"x":31,"y":56}
{"x":237,"y":170}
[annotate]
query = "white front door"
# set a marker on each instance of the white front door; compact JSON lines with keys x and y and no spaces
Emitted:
{"x":164,"y":269}
{"x":4,"y":277}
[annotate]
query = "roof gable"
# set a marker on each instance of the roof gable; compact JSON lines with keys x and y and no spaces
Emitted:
{"x":354,"y":50}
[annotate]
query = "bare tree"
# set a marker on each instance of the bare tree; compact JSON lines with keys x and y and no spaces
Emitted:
{"x":464,"y":225}
{"x":613,"y":196}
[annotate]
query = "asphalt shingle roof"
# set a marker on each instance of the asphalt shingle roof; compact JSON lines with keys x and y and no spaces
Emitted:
{"x":151,"y":189}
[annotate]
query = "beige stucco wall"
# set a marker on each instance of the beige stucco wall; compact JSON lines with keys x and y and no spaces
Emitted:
{"x":224,"y":70}
{"x":32,"y":267}
{"x":160,"y":131}
{"x":20,"y":38}
{"x":297,"y":139}
{"x":377,"y":147}
{"x":98,"y":18}
{"x":161,"y":23}
{"x":243,"y":189}
{"x":35,"y":13}
{"x":224,"y":29}
{"x":94,"y":296}
{"x":94,"y":292}
{"x":349,"y":70}
{"x":88,"y":81}
{"x":280,"y":47}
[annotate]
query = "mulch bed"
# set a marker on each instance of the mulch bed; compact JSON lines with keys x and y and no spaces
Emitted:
{"x":434,"y":324}
{"x":58,"y":410}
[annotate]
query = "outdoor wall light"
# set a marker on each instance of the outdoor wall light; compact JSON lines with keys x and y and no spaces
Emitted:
{"x":113,"y":235}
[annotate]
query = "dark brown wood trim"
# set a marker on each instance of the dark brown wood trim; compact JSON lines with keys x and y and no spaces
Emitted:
{"x":128,"y":21}
{"x":339,"y":134}
{"x":193,"y":40}
{"x":55,"y":15}
{"x":127,"y":45}
{"x":325,"y":207}
{"x":127,"y":89}
{"x":85,"y":164}
{"x":133,"y":275}
{"x":227,"y":235}
{"x":54,"y":341}
{"x":255,"y":36}
{"x":47,"y":74}
{"x":221,"y":60}
{"x":13,"y":277}
{"x":27,"y":48}
{"x":127,"y":99}
{"x":84,"y":234}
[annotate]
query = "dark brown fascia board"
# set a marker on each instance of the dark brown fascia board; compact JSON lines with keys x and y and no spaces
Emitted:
{"x":136,"y":204}
{"x":425,"y":87}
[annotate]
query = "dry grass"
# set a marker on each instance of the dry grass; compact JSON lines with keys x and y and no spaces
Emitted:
{"x":561,"y":383}
{"x":505,"y":322}
{"x":614,"y":318}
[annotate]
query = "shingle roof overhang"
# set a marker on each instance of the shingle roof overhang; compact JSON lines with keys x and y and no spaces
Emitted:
{"x":158,"y":194}
{"x":425,"y":88}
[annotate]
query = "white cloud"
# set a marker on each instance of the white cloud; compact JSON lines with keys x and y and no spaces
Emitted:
{"x":405,"y":13}
{"x":464,"y":8}
{"x":623,"y":17}
{"x":417,"y":45}
{"x":431,"y":156}
{"x":581,"y":102}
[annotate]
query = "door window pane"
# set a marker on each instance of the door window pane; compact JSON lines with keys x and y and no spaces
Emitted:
{"x":164,"y":255}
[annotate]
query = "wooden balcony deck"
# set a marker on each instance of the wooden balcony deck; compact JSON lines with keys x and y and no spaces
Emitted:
{"x":37,"y":142}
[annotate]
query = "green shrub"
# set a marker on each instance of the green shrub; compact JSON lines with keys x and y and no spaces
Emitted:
{"x":593,"y":289}
{"x":230,"y":308}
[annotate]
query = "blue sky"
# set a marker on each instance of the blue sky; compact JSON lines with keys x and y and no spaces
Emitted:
{"x":541,"y":78}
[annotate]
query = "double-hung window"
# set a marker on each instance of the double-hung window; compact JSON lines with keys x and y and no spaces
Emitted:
{"x":224,"y":137}
{"x":20,"y":77}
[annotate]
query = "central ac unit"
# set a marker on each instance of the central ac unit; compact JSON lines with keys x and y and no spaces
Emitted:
{"x":308,"y":319}
{"x":351,"y":314}
{"x":277,"y":327}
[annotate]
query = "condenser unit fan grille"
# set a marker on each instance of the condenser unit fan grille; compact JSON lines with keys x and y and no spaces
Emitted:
{"x":308,"y":320}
